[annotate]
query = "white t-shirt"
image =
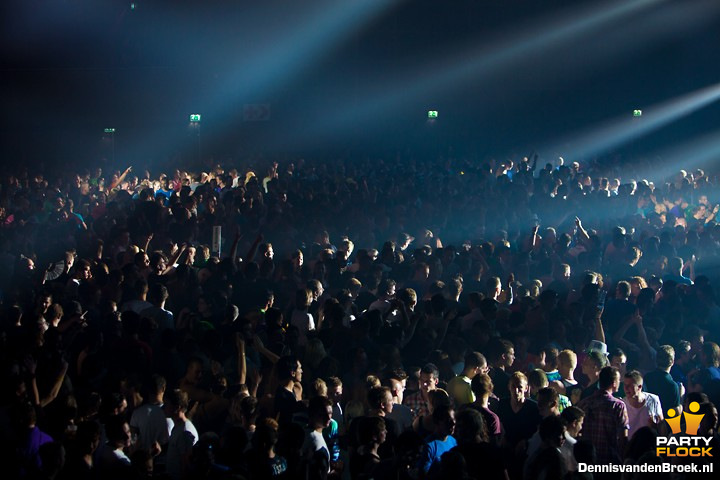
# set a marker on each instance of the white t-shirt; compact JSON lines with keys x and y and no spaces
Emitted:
{"x":567,"y":453}
{"x":151,"y":424}
{"x":182,"y":439}
{"x":315,"y":442}
{"x":304,"y":322}
{"x":640,"y":417}
{"x":382,"y":305}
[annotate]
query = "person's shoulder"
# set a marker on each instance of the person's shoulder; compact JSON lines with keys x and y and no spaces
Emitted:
{"x":190,"y":428}
{"x":585,"y":402}
{"x":143,"y":410}
{"x":652,"y":399}
{"x":618,"y":403}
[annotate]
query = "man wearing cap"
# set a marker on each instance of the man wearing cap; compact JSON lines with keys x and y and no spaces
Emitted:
{"x":595,"y":361}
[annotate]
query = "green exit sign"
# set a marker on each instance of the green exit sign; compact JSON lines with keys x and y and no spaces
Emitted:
{"x":195,"y":117}
{"x":109,"y":130}
{"x":432,"y":113}
{"x":637,"y":113}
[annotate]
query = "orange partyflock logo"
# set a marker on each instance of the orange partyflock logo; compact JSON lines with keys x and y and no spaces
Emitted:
{"x":690,"y":446}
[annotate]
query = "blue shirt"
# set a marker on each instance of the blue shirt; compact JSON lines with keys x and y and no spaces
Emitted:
{"x":433,"y":450}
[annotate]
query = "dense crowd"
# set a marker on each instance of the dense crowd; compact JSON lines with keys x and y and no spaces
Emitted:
{"x":363,"y":319}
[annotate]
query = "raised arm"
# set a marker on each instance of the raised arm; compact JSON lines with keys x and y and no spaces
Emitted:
{"x":120,"y":179}
{"x":242,"y":364}
{"x":175,"y":257}
{"x":581,"y":231}
{"x":599,"y":330}
{"x":252,"y":251}
{"x":260,"y":347}
{"x":53,"y":393}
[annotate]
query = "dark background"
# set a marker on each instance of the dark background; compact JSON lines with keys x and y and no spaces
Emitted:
{"x":70,"y":68}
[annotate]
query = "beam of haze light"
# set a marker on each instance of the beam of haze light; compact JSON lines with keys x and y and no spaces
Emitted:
{"x":484,"y":60}
{"x":625,"y":128}
{"x":696,"y":153}
{"x":632,"y":37}
{"x":313,"y":33}
{"x":297,"y":49}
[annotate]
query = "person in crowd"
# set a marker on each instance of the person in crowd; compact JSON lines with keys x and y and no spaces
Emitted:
{"x":459,"y":387}
{"x":548,"y":461}
{"x":371,"y":435}
{"x":707,"y":380}
{"x":141,"y":296}
{"x":183,"y":433}
{"x":644,"y":409}
{"x":520,"y":417}
{"x":661,"y":383}
{"x":440,"y":441}
{"x":548,"y":402}
{"x":289,"y":375}
{"x":396,"y":381}
{"x":606,"y":420}
{"x":567,"y":363}
{"x":148,"y":422}
{"x":573,"y":417}
{"x":316,"y":453}
{"x":593,"y":364}
{"x":502,"y":360}
{"x":472,"y":443}
{"x":419,"y":402}
{"x":483,"y":389}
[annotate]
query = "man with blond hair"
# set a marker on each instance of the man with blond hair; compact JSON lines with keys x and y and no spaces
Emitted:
{"x":518,"y":414}
{"x":643,"y":408}
{"x":566,"y":364}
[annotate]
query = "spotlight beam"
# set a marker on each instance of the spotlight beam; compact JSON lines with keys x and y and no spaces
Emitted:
{"x":312,"y":34}
{"x":481,"y":61}
{"x":623,"y":129}
{"x":696,"y":153}
{"x":296,"y":50}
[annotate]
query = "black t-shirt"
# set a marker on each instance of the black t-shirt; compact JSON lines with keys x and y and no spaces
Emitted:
{"x":387,"y":448}
{"x":500,"y":380}
{"x":521,"y":425}
{"x":547,"y":463}
{"x":286,"y":405}
{"x":573,"y":391}
{"x":589,"y":390}
{"x":662,"y":384}
{"x":261,"y":467}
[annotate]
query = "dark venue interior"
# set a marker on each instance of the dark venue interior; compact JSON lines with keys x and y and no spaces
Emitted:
{"x":359,"y":239}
